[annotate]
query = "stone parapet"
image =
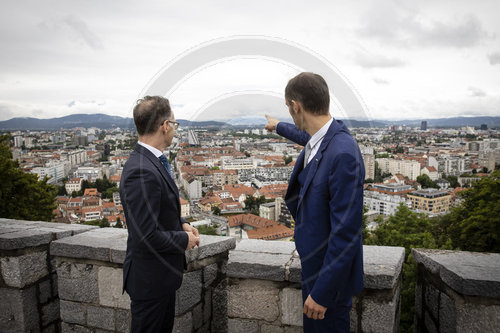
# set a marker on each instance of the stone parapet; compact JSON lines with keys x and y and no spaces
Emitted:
{"x":264,"y":292}
{"x":90,"y":273}
{"x":457,"y":291}
{"x":28,"y":280}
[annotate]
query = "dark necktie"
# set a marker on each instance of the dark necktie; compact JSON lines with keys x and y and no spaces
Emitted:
{"x":165,"y":163}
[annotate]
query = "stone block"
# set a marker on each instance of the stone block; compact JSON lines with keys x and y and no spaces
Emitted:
{"x":110,"y":288}
{"x":207,"y":306}
{"x":430,"y":325}
{"x":24,"y":238}
{"x":291,"y":306}
{"x":189,"y":294}
{"x":52,"y":328}
{"x":254,"y":299}
{"x":123,"y":321}
{"x":353,"y":315}
{"x":18,"y":310}
{"x":211,"y":246}
{"x":101,"y":317}
{"x":24,"y":269}
{"x":295,"y":271}
{"x":44,"y":291}
{"x":83,"y":246}
{"x":378,"y":315}
{"x":239,"y":325}
{"x":118,"y":252}
{"x":252,"y":265}
{"x":431,"y":297}
{"x":265,"y":328}
{"x":72,"y":312}
{"x":209,"y":274}
{"x":197,"y":316}
{"x":478,"y":318}
{"x":50,"y":312}
{"x":447,"y":315}
{"x":219,"y":307}
{"x":263,"y":246}
{"x":382,"y":266}
{"x":183,"y":324}
{"x":73,"y":328}
{"x":293,"y":329}
{"x":78,"y":282}
{"x":468,"y":273}
{"x":55,"y":285}
{"x":418,"y":299}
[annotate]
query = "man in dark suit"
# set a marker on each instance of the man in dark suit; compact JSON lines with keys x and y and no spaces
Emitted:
{"x":157,"y":235}
{"x":325,"y":197}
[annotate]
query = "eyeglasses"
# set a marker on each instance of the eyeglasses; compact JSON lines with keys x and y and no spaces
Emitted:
{"x":176,"y":123}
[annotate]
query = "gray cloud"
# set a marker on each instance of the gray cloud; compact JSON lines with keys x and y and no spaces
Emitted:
{"x":366,"y":60}
{"x":476,"y":92}
{"x":407,"y":26}
{"x":378,"y":80}
{"x":494,"y":58}
{"x":80,"y":31}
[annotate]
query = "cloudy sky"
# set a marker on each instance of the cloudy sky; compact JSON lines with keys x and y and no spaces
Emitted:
{"x":405,"y":59}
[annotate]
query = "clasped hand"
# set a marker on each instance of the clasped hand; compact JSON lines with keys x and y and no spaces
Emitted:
{"x":313,"y":310}
{"x":194,"y":236}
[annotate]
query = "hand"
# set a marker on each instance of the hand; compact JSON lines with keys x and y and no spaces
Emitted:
{"x":313,"y":310}
{"x":188,"y":228}
{"x":193,"y":240}
{"x":271,"y":123}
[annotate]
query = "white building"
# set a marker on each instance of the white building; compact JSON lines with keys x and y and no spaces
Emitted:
{"x":407,"y":168}
{"x":88,"y":173}
{"x":430,"y":171}
{"x":73,"y":185}
{"x":238,"y":163}
{"x":56,"y":171}
{"x":192,"y":186}
{"x":382,"y":203}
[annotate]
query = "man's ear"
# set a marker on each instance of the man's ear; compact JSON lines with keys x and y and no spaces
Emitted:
{"x":296,"y":106}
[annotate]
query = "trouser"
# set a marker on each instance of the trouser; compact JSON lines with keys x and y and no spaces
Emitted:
{"x":155,"y":315}
{"x":336,"y":317}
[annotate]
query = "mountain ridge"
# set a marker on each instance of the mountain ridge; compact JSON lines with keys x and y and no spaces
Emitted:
{"x":104,"y":121}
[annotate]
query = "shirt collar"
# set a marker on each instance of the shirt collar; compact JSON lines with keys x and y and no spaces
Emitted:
{"x":313,"y":141}
{"x":152,"y":149}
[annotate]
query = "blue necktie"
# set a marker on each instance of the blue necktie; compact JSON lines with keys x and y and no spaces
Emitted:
{"x":165,"y":163}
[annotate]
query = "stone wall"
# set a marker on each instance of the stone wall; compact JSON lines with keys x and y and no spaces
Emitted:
{"x":264,"y":292}
{"x":89,"y":269}
{"x":28,"y":280}
{"x":457,"y":291}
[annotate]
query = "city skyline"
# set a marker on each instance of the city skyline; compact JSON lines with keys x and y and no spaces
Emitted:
{"x":406,"y":60}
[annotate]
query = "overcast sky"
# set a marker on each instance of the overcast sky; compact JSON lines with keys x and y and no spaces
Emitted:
{"x":406,"y":59}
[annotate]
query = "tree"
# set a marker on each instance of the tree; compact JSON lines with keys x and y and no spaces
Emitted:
{"x":118,"y":223}
{"x":22,"y":195}
{"x":409,"y":230}
{"x":207,"y":230}
{"x":426,"y":181}
{"x":252,"y":204}
{"x":475,"y":224}
{"x":216,"y":210}
{"x":288,"y":159}
{"x":104,"y":223}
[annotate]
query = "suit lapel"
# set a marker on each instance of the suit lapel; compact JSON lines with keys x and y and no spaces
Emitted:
{"x":156,"y":162}
{"x":332,"y":130}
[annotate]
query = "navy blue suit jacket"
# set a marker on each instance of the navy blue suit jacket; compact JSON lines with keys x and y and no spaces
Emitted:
{"x":328,"y":212}
{"x":156,"y":244}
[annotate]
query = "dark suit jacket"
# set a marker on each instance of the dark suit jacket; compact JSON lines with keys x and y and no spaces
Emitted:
{"x":156,"y":244}
{"x":328,"y":212}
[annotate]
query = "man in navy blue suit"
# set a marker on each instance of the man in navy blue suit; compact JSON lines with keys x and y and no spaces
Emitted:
{"x":157,"y":235}
{"x":325,"y":197}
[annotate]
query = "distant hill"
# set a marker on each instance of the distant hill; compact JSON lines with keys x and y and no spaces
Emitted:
{"x":450,"y":122}
{"x":105,"y":121}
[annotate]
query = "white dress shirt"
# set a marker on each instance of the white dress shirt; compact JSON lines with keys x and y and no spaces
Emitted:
{"x":152,"y":149}
{"x":315,"y":140}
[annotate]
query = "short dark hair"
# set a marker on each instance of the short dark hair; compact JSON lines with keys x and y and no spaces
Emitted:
{"x":150,"y":112}
{"x":311,"y":91}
